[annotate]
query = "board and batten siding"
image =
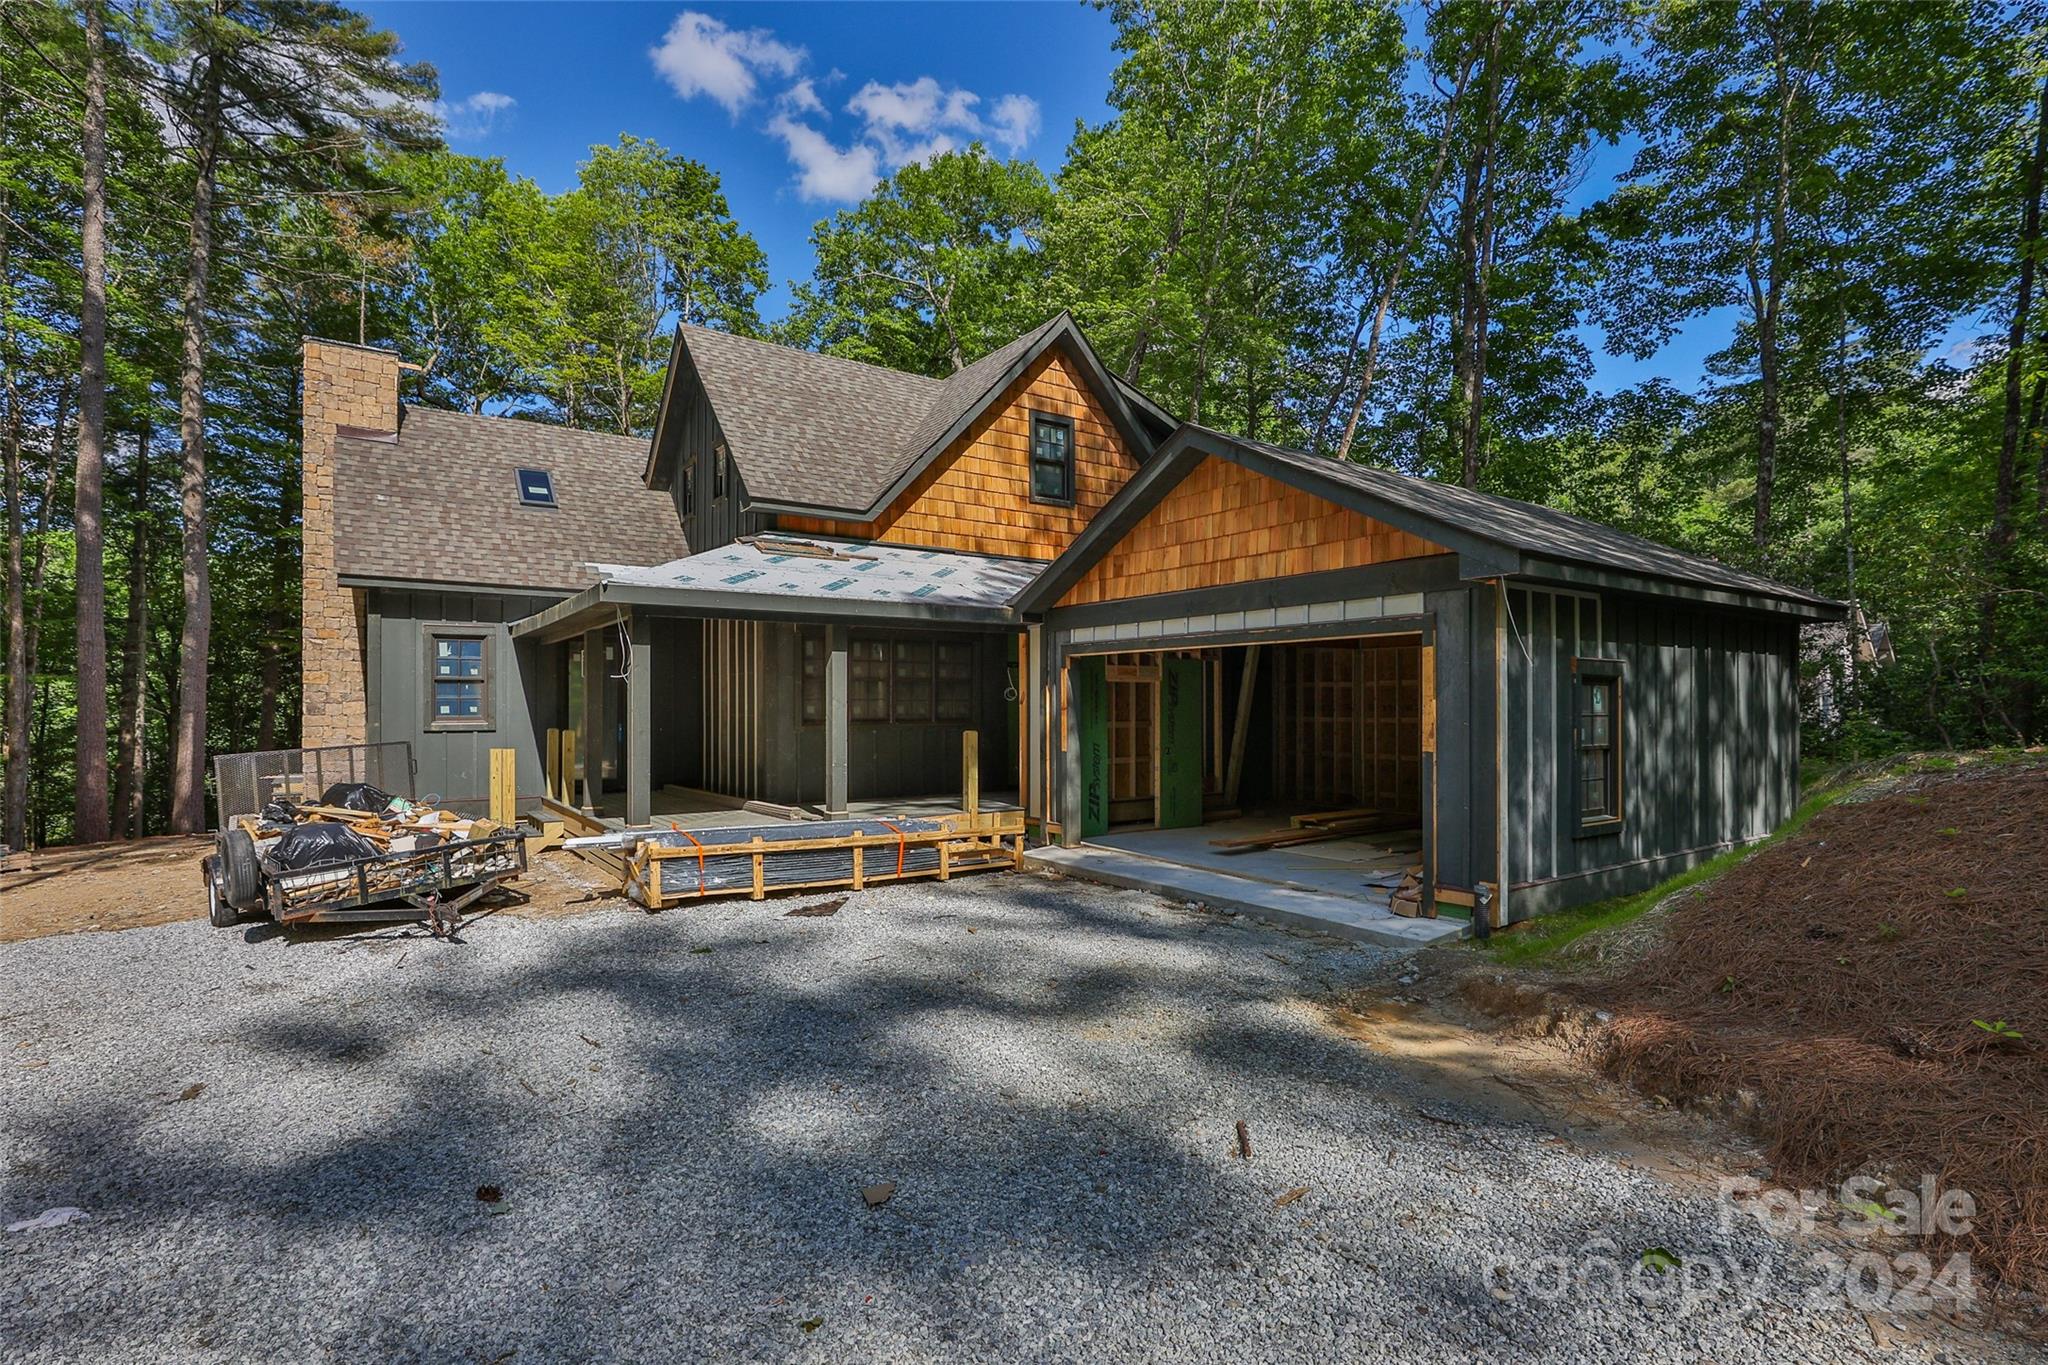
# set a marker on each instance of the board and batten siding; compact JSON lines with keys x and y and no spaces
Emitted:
{"x":1710,"y":739}
{"x":455,"y":765}
{"x":976,"y":496}
{"x":1224,"y":524}
{"x":711,"y":521}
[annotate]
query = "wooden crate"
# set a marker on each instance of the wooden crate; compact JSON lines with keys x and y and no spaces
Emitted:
{"x":966,"y":844}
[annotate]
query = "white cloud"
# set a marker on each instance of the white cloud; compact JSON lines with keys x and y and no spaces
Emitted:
{"x":473,"y":117}
{"x":701,"y":56}
{"x":801,"y":98}
{"x":1013,"y":122}
{"x":899,"y":123}
{"x":824,"y":171}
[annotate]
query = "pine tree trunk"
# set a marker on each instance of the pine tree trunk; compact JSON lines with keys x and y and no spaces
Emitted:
{"x":133,"y":728}
{"x":188,"y":767}
{"x":14,"y":741}
{"x":89,"y":818}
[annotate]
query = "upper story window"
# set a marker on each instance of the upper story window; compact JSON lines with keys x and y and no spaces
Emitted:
{"x":1596,"y":740}
{"x":721,"y":470}
{"x":1052,"y":458}
{"x":687,"y":498}
{"x":458,"y":678}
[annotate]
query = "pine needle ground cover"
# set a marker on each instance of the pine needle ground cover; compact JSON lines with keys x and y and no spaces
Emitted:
{"x":1878,"y":983}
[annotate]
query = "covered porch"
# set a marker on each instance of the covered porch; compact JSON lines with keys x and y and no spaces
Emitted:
{"x":783,"y":678}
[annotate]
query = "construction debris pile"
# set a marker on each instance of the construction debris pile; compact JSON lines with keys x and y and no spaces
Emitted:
{"x":358,"y":842}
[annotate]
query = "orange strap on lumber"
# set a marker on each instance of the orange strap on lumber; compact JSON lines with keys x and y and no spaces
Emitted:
{"x":899,"y":845}
{"x":700,"y":858}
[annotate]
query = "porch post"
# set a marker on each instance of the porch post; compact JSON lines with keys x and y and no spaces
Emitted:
{"x":593,"y":736}
{"x":836,"y":715}
{"x":639,"y":722}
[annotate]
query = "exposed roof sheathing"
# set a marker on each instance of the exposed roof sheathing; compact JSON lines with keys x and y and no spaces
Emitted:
{"x":439,"y":503}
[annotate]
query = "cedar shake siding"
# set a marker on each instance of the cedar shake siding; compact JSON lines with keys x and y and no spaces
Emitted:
{"x":977,"y":495}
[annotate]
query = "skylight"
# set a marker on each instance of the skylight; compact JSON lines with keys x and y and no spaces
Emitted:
{"x":536,"y":489}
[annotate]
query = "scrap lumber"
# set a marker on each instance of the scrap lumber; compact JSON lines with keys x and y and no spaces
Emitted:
{"x":580,"y":826}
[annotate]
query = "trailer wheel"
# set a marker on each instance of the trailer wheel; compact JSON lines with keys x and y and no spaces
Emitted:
{"x":219,"y":913}
{"x":241,"y":876}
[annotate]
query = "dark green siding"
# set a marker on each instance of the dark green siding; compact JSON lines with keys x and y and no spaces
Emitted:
{"x":1710,"y":738}
{"x":456,"y":765}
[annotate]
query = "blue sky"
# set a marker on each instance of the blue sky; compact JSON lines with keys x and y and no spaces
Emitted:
{"x":798,"y":107}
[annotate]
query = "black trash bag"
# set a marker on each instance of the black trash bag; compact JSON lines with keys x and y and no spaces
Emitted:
{"x":318,"y":843}
{"x":356,"y":796}
{"x":279,"y":812}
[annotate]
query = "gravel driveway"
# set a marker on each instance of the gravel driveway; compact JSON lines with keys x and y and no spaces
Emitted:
{"x":681,"y":1112}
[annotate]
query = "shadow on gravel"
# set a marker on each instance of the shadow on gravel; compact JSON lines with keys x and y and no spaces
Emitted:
{"x":681,"y":1137}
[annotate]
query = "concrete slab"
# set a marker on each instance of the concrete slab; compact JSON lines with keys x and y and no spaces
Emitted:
{"x":1335,"y":868}
{"x":1358,"y":919}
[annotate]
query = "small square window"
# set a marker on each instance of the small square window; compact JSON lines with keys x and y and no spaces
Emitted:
{"x":536,"y":488}
{"x":458,"y":680}
{"x":1052,"y":458}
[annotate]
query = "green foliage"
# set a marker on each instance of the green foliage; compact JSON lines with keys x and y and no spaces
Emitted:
{"x":940,"y":266}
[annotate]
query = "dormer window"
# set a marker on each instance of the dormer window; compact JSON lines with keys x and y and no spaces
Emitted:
{"x":1052,"y":459}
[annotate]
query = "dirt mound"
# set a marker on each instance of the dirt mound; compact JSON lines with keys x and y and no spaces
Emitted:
{"x":1877,"y":985}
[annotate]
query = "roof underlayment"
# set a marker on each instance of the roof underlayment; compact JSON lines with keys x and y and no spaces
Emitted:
{"x":847,"y":571}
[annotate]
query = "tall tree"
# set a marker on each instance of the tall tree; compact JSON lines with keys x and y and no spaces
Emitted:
{"x":89,"y":821}
{"x":940,"y":265}
{"x":298,"y":92}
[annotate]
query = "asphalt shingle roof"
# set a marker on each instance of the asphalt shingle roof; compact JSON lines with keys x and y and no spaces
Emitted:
{"x":822,"y":431}
{"x":440,"y":503}
{"x":805,"y":427}
{"x":1535,"y":530}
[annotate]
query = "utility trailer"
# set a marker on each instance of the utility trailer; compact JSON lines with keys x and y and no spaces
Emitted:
{"x":434,"y":883}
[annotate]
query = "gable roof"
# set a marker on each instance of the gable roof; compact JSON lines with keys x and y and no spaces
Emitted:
{"x":1496,"y":536}
{"x":817,"y":433}
{"x":438,"y":502}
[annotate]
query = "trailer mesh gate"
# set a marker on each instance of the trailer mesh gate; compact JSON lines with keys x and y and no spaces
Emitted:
{"x":246,"y":782}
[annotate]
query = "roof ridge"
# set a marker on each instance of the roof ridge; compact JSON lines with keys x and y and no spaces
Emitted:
{"x":638,"y":442}
{"x":698,"y":329}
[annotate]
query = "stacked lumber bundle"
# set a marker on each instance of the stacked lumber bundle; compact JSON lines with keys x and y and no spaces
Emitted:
{"x":670,"y":866}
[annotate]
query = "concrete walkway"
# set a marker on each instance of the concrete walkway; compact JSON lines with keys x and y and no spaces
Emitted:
{"x":1348,"y":917}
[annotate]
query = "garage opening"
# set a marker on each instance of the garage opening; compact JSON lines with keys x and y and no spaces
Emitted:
{"x":1297,"y":762}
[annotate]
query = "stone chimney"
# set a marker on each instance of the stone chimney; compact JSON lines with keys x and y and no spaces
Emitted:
{"x":345,"y":386}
